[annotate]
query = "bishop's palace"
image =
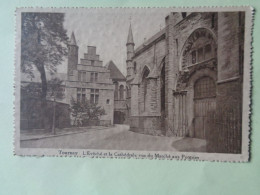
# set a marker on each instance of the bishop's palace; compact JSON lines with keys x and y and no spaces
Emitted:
{"x":180,"y":82}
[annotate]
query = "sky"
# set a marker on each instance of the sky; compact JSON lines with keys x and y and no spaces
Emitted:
{"x":107,"y":29}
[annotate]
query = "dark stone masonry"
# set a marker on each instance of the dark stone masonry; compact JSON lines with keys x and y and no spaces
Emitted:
{"x":187,"y":76}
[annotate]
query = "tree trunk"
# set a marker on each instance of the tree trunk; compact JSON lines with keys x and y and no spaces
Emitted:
{"x":44,"y":81}
{"x":44,"y":110}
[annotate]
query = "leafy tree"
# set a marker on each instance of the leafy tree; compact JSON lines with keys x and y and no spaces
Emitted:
{"x":85,"y":111}
{"x":43,"y":48}
{"x":43,"y":44}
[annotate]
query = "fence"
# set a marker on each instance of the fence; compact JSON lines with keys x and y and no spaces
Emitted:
{"x":224,"y":131}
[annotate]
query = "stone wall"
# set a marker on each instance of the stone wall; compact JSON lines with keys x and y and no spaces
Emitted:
{"x":150,"y":125}
{"x":31,"y":118}
{"x":177,"y":35}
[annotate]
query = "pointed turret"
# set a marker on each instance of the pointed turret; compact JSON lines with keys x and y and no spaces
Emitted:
{"x":72,"y":39}
{"x":72,"y":55}
{"x":130,"y":53}
{"x":130,"y":39}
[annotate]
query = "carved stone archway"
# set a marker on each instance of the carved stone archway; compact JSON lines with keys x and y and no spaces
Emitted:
{"x":200,"y":46}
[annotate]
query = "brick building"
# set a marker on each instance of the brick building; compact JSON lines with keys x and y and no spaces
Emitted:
{"x":89,"y":79}
{"x":188,"y":74}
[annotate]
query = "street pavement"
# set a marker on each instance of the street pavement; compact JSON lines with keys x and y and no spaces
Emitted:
{"x":114,"y":138}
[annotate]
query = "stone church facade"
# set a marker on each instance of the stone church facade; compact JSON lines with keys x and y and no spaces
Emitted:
{"x":188,"y":71}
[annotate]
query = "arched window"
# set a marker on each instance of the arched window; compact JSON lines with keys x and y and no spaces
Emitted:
{"x":121,"y":92}
{"x":145,"y":84}
{"x":116,"y":91}
{"x":199,"y":47}
{"x":135,"y":67}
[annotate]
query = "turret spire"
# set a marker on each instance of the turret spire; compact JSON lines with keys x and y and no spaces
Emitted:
{"x":72,"y":39}
{"x":130,"y":53}
{"x":130,"y":39}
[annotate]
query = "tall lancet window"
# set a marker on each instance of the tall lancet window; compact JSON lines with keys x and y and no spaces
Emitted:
{"x":116,"y":91}
{"x":145,"y":82}
{"x":121,"y":92}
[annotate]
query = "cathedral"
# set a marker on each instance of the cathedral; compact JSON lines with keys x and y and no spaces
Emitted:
{"x":186,"y":80}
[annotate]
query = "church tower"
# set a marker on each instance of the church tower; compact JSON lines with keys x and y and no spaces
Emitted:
{"x":72,"y":54}
{"x":130,"y":53}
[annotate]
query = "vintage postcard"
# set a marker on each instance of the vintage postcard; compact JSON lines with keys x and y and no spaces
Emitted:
{"x":155,"y":83}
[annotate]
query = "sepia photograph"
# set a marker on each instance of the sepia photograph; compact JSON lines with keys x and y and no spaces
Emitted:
{"x":143,"y":83}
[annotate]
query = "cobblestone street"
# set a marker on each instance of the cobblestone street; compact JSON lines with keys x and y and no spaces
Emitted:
{"x":115,"y":138}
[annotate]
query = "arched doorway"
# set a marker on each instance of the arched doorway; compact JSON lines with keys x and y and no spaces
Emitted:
{"x":119,"y":117}
{"x":204,"y":102}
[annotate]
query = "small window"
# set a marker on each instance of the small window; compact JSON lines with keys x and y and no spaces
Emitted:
{"x":78,"y":97}
{"x":94,"y":96}
{"x":200,"y":55}
{"x":92,"y":101}
{"x":96,"y":77}
{"x":92,"y":62}
{"x":84,"y":76}
{"x":79,"y":76}
{"x":108,"y":101}
{"x":91,"y":77}
{"x":208,"y":51}
{"x":184,"y":14}
{"x":193,"y":57}
{"x":83,"y":98}
{"x":121,"y":92}
{"x":135,"y":67}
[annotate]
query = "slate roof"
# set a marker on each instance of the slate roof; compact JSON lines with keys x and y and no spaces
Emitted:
{"x":115,"y":73}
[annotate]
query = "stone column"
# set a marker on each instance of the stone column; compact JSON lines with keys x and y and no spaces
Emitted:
{"x":153,"y":95}
{"x":134,"y":100}
{"x":171,"y":70}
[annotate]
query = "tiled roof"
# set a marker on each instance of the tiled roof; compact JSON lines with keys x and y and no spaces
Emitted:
{"x":115,"y":73}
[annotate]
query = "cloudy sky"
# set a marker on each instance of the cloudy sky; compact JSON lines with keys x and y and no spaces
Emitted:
{"x":107,"y":29}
